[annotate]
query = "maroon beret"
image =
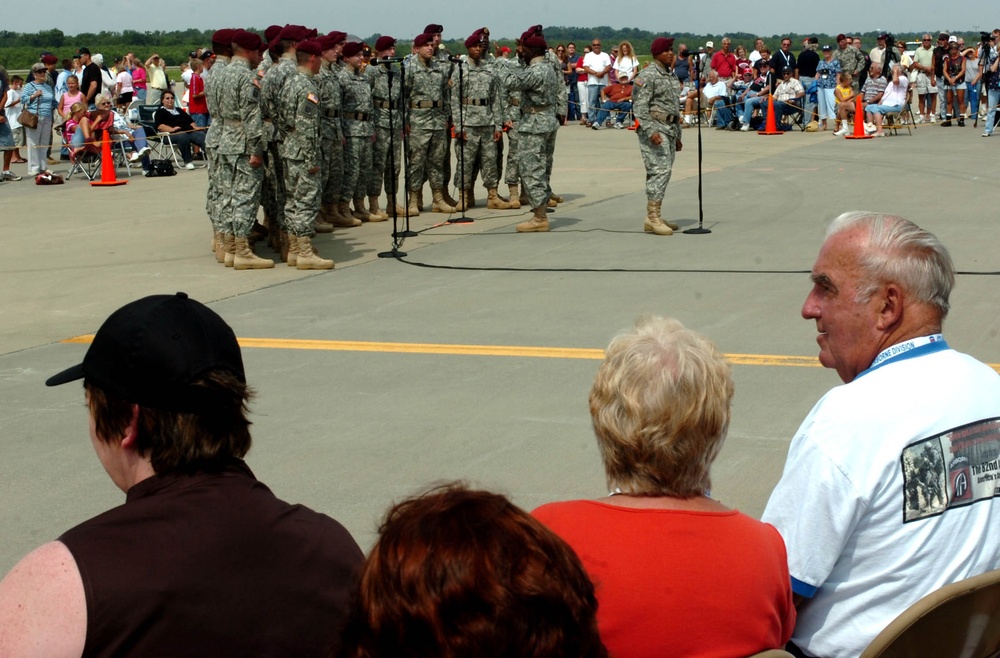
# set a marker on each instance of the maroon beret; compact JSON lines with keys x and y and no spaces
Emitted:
{"x":476,"y":37}
{"x":422,"y":39}
{"x":352,"y":48}
{"x":246,"y":40}
{"x":433,"y":28}
{"x":223,"y":36}
{"x":534,"y":30}
{"x":296,"y":33}
{"x":309,"y":46}
{"x":384,"y":43}
{"x":841,"y":37}
{"x":337,"y":36}
{"x":325,"y":42}
{"x":660,"y":45}
{"x":272,"y":32}
{"x":49,"y":59}
{"x":534,"y":42}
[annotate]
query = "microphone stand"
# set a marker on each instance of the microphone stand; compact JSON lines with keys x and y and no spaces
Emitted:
{"x":461,"y":147}
{"x":700,"y":229}
{"x":397,"y":236}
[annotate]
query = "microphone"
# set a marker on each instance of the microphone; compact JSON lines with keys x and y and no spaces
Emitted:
{"x":455,"y":58}
{"x":388,"y":60}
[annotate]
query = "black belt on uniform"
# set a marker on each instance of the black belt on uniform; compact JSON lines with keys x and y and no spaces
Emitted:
{"x":356,"y":116}
{"x":423,"y":105}
{"x":385,"y":105}
{"x":476,"y":101}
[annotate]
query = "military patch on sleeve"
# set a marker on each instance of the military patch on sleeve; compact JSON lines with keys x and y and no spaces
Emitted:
{"x":255,"y":91}
{"x":312,"y":98}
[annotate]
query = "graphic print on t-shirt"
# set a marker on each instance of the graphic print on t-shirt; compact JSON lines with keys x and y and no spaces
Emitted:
{"x":952,"y":469}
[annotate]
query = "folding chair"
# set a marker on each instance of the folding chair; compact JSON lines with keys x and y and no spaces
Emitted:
{"x":159,"y":143}
{"x":86,"y":162}
{"x":961,"y":619}
{"x":896,"y":121}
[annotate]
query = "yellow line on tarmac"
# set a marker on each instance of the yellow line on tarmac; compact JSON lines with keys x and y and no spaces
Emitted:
{"x":478,"y":350}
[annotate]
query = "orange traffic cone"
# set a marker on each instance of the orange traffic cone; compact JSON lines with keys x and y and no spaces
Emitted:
{"x":859,"y":122}
{"x":772,"y":126}
{"x":634,"y":125}
{"x":108,"y":174}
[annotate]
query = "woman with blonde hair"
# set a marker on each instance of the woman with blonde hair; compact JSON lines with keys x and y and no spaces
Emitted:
{"x":677,"y":572}
{"x":626,"y":67}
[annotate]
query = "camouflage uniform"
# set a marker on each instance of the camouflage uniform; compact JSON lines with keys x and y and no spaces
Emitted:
{"x":427,"y":95}
{"x":442,"y":58}
{"x":507,"y":70}
{"x":272,"y":82}
{"x":331,"y":135}
{"x":298,"y":122}
{"x":356,"y":120}
{"x":539,"y":87}
{"x":378,"y":77}
{"x":851,"y":61}
{"x":214,"y":197}
{"x":656,"y":106}
{"x":241,"y":136}
{"x":476,"y":109}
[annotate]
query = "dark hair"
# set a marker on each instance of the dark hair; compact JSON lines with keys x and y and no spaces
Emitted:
{"x":179,"y":441}
{"x":302,"y":57}
{"x":458,"y":573}
{"x":168,"y":92}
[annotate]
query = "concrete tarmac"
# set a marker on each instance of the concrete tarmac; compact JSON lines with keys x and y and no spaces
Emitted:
{"x":369,"y":408}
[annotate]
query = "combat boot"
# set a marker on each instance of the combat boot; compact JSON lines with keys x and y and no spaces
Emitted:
{"x":447,"y":198}
{"x":523,"y":197}
{"x":246,"y":259}
{"x":376,"y":213}
{"x":552,"y":203}
{"x":308,"y":259}
{"x":496,"y":202}
{"x":290,"y":249}
{"x":539,"y":222}
{"x":470,"y":198}
{"x":219,"y":240}
{"x":653,"y":223}
{"x":360,"y":212}
{"x":463,"y":200}
{"x":439,"y":204}
{"x":673,"y":226}
{"x":229,"y":245}
{"x":258,"y":232}
{"x":515,"y":201}
{"x":342,"y":217}
{"x":275,"y":238}
{"x":558,"y":199}
{"x":413,"y":201}
{"x":400,"y":210}
{"x":320,"y":225}
{"x":420,"y":198}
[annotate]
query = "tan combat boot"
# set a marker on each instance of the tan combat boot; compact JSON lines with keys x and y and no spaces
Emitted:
{"x":523,"y":197}
{"x":558,"y":199}
{"x":552,"y":203}
{"x":413,"y":203}
{"x":659,"y":206}
{"x":538,"y":223}
{"x":308,"y":259}
{"x":360,"y":212}
{"x":447,"y":197}
{"x":219,"y":242}
{"x":290,"y":249}
{"x":320,"y":225}
{"x":515,"y":201}
{"x":258,"y":232}
{"x":463,"y":200}
{"x":439,"y":204}
{"x":376,"y":213}
{"x":342,"y":217}
{"x":229,"y":247}
{"x":653,"y":223}
{"x":496,"y":202}
{"x":400,"y":210}
{"x":246,"y":259}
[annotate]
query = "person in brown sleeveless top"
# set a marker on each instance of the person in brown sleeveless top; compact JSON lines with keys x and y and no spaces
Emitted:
{"x":202,"y":559}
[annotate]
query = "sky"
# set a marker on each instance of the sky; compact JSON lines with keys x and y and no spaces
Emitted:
{"x":404,"y":19}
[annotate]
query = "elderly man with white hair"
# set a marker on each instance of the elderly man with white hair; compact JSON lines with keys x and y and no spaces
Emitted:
{"x":891,"y":101}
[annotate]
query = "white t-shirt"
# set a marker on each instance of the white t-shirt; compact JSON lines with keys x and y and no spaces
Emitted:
{"x":874,"y":503}
{"x":598,"y":63}
{"x":125,"y":80}
{"x":12,"y":112}
{"x":895,"y":94}
{"x":626,"y":67}
{"x":717,"y":89}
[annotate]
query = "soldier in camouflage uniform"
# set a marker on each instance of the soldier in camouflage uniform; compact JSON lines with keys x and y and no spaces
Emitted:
{"x":427,"y":96}
{"x":657,"y":107}
{"x":299,"y":119}
{"x":539,"y":86}
{"x":272,"y":82}
{"x":332,"y":135}
{"x":214,"y":197}
{"x":240,"y":149}
{"x":382,"y":168}
{"x":851,"y":60}
{"x":356,"y":119}
{"x":444,"y":60}
{"x":476,"y":109}
{"x":507,"y":70}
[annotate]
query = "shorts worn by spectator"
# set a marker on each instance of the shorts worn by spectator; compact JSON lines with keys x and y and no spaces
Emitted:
{"x":891,"y":100}
{"x":201,"y":555}
{"x":878,"y":503}
{"x":659,"y":427}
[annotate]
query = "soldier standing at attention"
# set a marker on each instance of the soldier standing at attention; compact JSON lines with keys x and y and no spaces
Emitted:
{"x":507,"y":68}
{"x":299,"y":113}
{"x":240,"y":148}
{"x":539,"y":86}
{"x":214,"y":203}
{"x":268,"y":193}
{"x":385,"y":101}
{"x":427,"y":93}
{"x":331,"y":138}
{"x":478,"y":118}
{"x":356,"y":120}
{"x":656,"y":106}
{"x":447,"y":64}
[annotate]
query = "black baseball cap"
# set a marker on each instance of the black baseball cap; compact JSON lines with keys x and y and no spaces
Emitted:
{"x":151,"y":351}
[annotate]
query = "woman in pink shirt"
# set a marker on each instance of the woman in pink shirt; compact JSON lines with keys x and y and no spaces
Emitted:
{"x":139,"y":81}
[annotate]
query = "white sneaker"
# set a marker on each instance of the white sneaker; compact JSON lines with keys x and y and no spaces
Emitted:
{"x":189,"y":165}
{"x":919,"y":119}
{"x":933,"y":119}
{"x":841,"y":132}
{"x":144,"y":150}
{"x":745,"y":127}
{"x":135,"y":157}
